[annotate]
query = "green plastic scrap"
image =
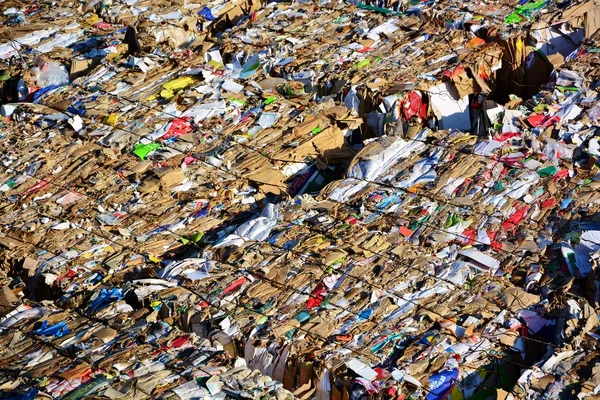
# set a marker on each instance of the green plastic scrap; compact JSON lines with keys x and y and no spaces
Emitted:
{"x":513,"y":18}
{"x":142,"y":150}
{"x":341,"y":20}
{"x":289,"y":334}
{"x":265,"y":308}
{"x":539,"y":192}
{"x":573,"y":237}
{"x":196,"y":237}
{"x":250,"y":67}
{"x":363,"y":63}
{"x":342,"y":228}
{"x":526,"y":11}
{"x":547,"y":171}
{"x":554,"y":266}
{"x":452,"y":220}
{"x":238,"y":102}
{"x":378,"y":9}
{"x":317,"y":130}
{"x":568,"y":88}
{"x":270,"y":100}
{"x":338,"y":261}
{"x":418,"y":223}
{"x":290,"y":92}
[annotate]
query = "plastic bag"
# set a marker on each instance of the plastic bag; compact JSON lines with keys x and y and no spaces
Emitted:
{"x":351,"y":100}
{"x":51,"y":74}
{"x":594,"y":112}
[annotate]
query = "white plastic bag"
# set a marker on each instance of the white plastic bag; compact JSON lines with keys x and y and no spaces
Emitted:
{"x":51,"y":73}
{"x":352,"y":101}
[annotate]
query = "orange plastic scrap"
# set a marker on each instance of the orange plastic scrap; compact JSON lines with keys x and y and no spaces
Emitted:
{"x":454,"y":72}
{"x":414,"y":189}
{"x":483,"y":74}
{"x":475,"y":42}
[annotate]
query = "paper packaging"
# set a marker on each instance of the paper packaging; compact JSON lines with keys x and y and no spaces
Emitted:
{"x":169,"y":176}
{"x":76,"y":123}
{"x":309,"y":125}
{"x":333,"y":250}
{"x":362,"y":369}
{"x":232,"y":87}
{"x":451,"y":111}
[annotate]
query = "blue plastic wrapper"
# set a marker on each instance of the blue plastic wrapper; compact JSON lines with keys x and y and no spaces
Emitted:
{"x":207,"y":14}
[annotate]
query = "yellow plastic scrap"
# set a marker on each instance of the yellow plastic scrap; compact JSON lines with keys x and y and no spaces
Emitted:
{"x":112,"y":119}
{"x":155,"y":304}
{"x":113,"y":56}
{"x":414,"y":188}
{"x":172,"y":87}
{"x":463,"y":139}
{"x":91,"y":20}
{"x":179,"y":83}
{"x":215,"y":64}
{"x":92,"y":252}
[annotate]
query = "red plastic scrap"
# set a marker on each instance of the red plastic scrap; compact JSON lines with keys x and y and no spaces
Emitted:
{"x":352,"y":220}
{"x":37,"y":187}
{"x":320,"y":289}
{"x":314,"y":302}
{"x":563,"y":173}
{"x":483,"y":74}
{"x":514,"y":220}
{"x":513,"y":161}
{"x":382,"y":374}
{"x":506,"y":135}
{"x":179,"y":127}
{"x":404,"y":231}
{"x":414,"y":106}
{"x":467,"y":237}
{"x":550,"y":121}
{"x":492,"y":236}
{"x":102,"y":25}
{"x":454,"y":72}
{"x":234,"y":286}
{"x":70,"y":274}
{"x":536,"y":120}
{"x":179,"y":341}
{"x":317,"y":296}
{"x":549,"y":203}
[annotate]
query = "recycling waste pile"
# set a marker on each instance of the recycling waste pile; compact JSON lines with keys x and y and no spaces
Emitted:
{"x":315,"y":200}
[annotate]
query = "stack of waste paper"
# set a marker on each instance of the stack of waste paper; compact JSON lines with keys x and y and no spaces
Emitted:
{"x":328,"y":200}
